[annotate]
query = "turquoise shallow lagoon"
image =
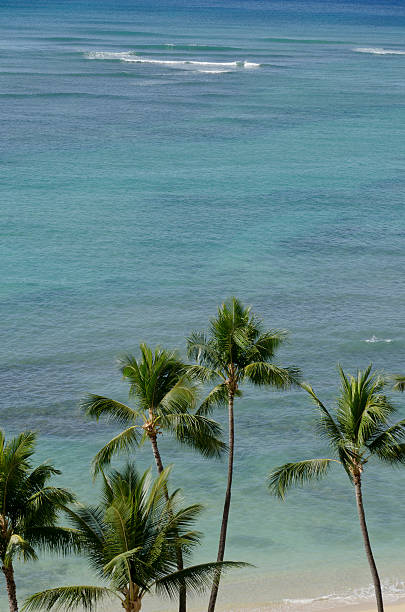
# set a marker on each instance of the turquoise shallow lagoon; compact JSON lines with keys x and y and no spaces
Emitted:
{"x":159,"y":157}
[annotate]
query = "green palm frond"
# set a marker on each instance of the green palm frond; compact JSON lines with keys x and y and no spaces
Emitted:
{"x":181,"y":397}
{"x":388,"y":444}
{"x":362,"y":407}
{"x":217,"y":397}
{"x":290,"y":474}
{"x":266,"y":345}
{"x":327,"y":426}
{"x":61,"y":540}
{"x":196,"y":431}
{"x":263,"y":373}
{"x":69,"y":598}
{"x":395,"y":434}
{"x":203,"y":351}
{"x":399,"y":382}
{"x":30,"y":507}
{"x":97,"y":406}
{"x":197,"y":578}
{"x":19,"y":547}
{"x":124,"y":441}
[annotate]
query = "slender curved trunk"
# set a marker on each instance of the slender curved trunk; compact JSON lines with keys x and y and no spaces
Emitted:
{"x":227,"y":503}
{"x":11,"y":589}
{"x":369,"y":552}
{"x":179,"y":554}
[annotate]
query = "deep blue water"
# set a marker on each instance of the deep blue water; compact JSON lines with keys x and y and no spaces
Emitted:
{"x":156,"y":158}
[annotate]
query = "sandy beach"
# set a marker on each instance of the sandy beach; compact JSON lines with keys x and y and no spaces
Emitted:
{"x":397,"y":607}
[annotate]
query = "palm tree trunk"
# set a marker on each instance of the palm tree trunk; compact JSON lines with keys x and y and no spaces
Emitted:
{"x":156,"y":453}
{"x":179,"y":554}
{"x":227,"y":504}
{"x":11,"y":589}
{"x":369,"y":552}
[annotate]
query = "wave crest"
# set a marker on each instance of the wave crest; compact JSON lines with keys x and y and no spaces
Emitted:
{"x":208,"y":66}
{"x":379,"y":51}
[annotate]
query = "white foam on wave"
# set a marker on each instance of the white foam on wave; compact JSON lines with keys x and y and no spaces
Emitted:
{"x":375,"y":339}
{"x":393,"y":590}
{"x":108,"y":55}
{"x":131,"y":57}
{"x":145,"y":60}
{"x":379,"y":51}
{"x":213,"y":71}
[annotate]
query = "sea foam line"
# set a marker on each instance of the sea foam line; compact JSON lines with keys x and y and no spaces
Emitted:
{"x":130,"y":57}
{"x":378,"y":51}
{"x":375,"y":339}
{"x":393,"y":591}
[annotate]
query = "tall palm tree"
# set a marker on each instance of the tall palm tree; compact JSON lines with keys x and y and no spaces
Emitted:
{"x":237,"y":349}
{"x":164,"y":401}
{"x":29,"y":509}
{"x":130,"y":538}
{"x":358,"y":430}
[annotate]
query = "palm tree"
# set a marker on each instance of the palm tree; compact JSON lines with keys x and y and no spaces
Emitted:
{"x":358,"y":430}
{"x":236,"y":350}
{"x":29,"y":509}
{"x":164,"y":401}
{"x":130,"y":539}
{"x":399,"y":382}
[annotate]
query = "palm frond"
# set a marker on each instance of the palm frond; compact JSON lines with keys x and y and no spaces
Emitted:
{"x":197,"y":578}
{"x":55,"y":539}
{"x":217,"y":397}
{"x":391,"y":453}
{"x":18,"y":546}
{"x":203,"y":373}
{"x":388,"y":443}
{"x":69,"y":598}
{"x":399,"y":382}
{"x":290,"y":474}
{"x":263,"y":373}
{"x":266,"y":345}
{"x":126,"y":440}
{"x":362,"y":407}
{"x":327,"y":426}
{"x":202,"y":350}
{"x":196,"y":431}
{"x":97,"y":406}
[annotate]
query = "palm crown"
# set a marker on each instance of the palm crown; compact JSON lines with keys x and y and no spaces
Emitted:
{"x":130,"y":539}
{"x":237,"y":348}
{"x":165,"y":399}
{"x":359,"y":429}
{"x":30,"y":508}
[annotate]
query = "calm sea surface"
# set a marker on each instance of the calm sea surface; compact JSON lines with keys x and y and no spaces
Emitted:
{"x":157,"y":157}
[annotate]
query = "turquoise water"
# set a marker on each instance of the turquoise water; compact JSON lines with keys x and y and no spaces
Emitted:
{"x":159,"y":157}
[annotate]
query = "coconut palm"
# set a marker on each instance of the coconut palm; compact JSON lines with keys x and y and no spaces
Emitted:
{"x":358,"y":430}
{"x":130,"y":539}
{"x":399,"y":382}
{"x":29,"y":509}
{"x":237,"y":349}
{"x":165,"y":399}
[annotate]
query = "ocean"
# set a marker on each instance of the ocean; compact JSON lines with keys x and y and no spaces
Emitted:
{"x":159,"y":157}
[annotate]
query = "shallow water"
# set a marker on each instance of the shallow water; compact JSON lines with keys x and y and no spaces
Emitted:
{"x":157,"y":158}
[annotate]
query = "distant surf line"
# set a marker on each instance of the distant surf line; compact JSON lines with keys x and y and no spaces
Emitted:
{"x":131,"y":57}
{"x":379,"y":51}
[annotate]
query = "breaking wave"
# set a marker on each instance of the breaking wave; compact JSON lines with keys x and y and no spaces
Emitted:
{"x":379,"y":51}
{"x":208,"y":66}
